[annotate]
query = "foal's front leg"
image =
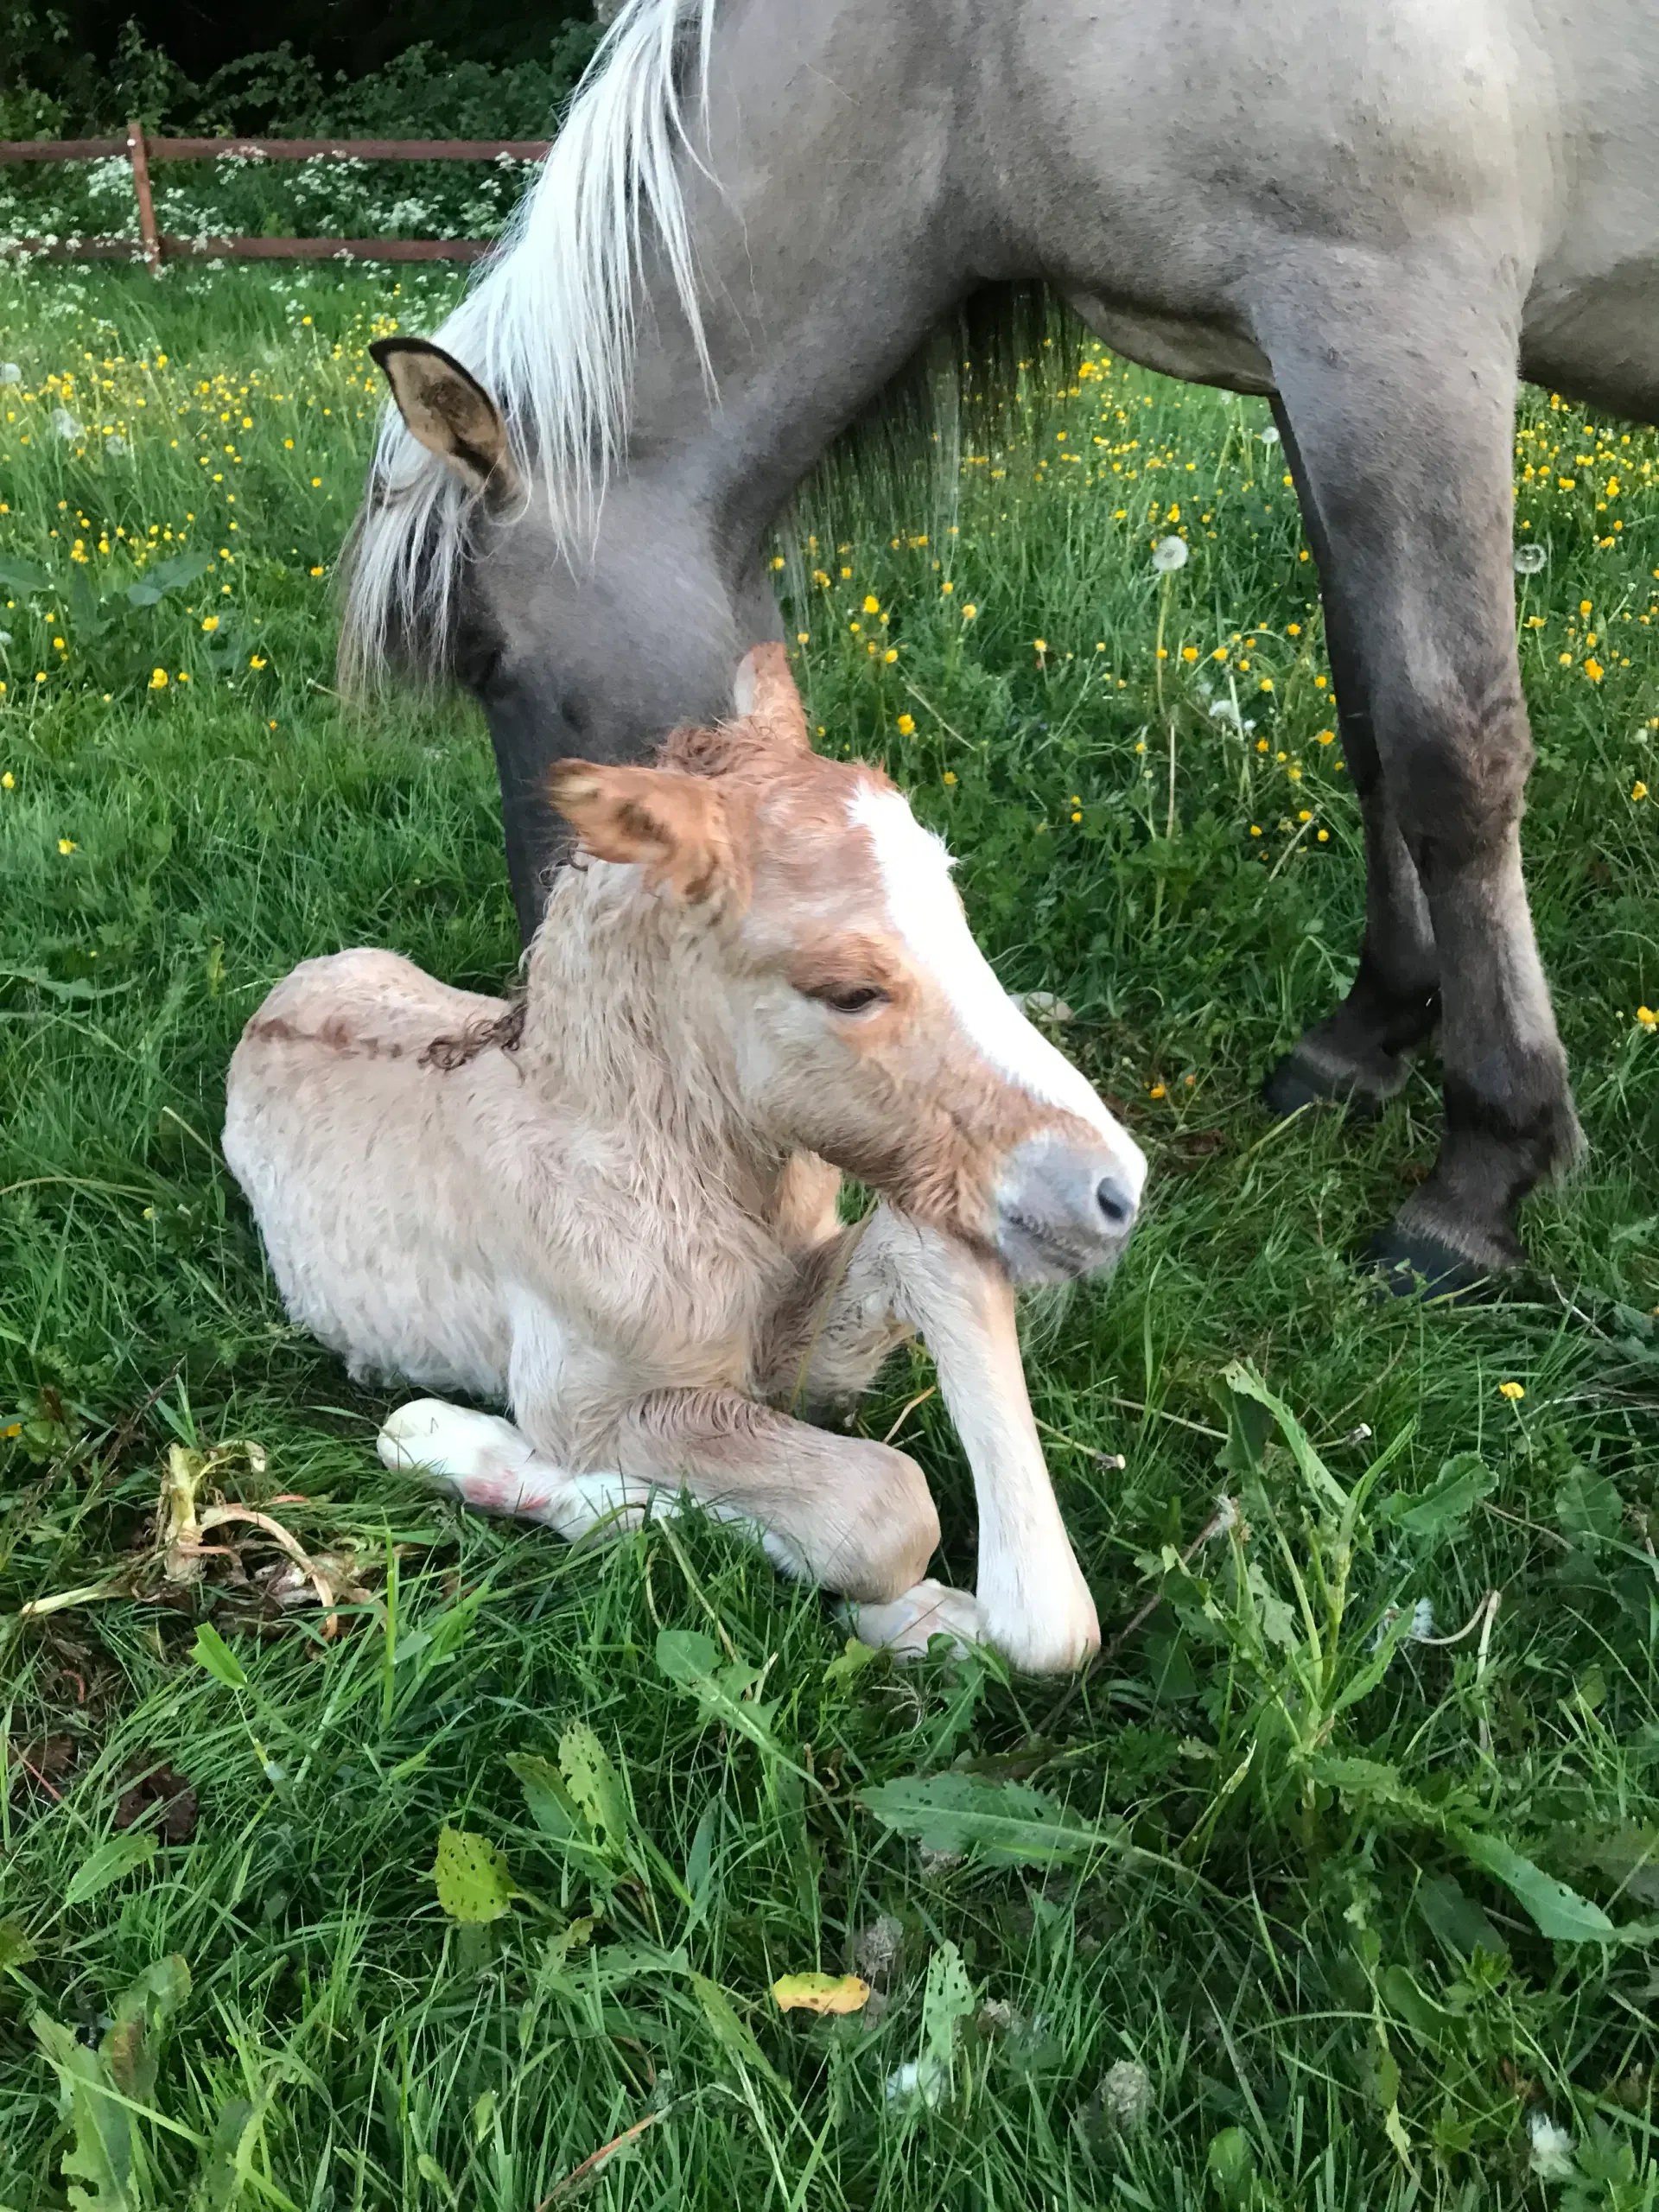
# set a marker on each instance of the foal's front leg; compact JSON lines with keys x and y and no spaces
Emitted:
{"x":858,"y":1297}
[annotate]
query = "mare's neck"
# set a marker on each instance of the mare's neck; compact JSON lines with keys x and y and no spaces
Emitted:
{"x":834,"y":223}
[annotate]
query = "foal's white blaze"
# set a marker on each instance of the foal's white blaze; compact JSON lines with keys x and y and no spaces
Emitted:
{"x":924,"y":910}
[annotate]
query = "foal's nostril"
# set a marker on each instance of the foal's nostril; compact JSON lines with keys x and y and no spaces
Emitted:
{"x":1115,"y":1200}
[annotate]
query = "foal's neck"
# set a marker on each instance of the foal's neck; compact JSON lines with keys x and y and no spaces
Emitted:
{"x":626,"y":1031}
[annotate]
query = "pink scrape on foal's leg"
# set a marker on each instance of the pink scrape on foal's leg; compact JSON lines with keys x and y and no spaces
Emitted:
{"x":486,"y":1461}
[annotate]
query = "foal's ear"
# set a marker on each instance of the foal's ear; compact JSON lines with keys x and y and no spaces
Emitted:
{"x":676,"y":826}
{"x":448,"y":411}
{"x":764,"y":693}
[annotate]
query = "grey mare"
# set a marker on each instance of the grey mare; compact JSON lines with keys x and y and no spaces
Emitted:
{"x":1377,"y":214}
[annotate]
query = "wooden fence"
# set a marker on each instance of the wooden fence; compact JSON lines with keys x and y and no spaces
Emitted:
{"x":154,"y":246}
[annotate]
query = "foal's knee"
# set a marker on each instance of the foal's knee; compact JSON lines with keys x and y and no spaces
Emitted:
{"x":887,"y":1524}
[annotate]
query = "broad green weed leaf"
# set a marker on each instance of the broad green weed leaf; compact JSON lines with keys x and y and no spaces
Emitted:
{"x":168,"y":575}
{"x":116,"y":1856}
{"x":24,"y":576}
{"x":212,"y":1652}
{"x":1562,"y":1913}
{"x":222,"y":2171}
{"x":1231,"y":2163}
{"x":17,"y":1945}
{"x":855,"y":1658}
{"x":1450,"y":1499}
{"x":731,"y":2032}
{"x":551,"y":1804}
{"x":473,"y":1885}
{"x":686,"y":1656}
{"x":1455,"y":1917}
{"x":1365,"y":1778}
{"x":832,"y":1994}
{"x":596,"y":1787}
{"x":1243,"y":1382}
{"x":101,"y":2154}
{"x":1589,"y":1510}
{"x":947,"y":2002}
{"x":689,"y":1659}
{"x":132,"y":2042}
{"x":1004,"y":1823}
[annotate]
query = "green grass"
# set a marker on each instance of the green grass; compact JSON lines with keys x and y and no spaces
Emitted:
{"x":1293,"y":1912}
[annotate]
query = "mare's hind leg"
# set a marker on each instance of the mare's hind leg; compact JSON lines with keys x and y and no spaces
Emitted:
{"x":1360,"y":1055}
{"x":1400,"y":379}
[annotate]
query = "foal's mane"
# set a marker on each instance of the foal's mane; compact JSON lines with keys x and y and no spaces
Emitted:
{"x":548,"y":328}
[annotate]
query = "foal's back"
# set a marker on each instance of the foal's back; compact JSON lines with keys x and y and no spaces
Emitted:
{"x":357,"y":1151}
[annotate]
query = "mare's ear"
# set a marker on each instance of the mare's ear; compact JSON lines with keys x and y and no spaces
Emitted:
{"x":676,"y":826}
{"x":448,"y":411}
{"x":764,"y":694}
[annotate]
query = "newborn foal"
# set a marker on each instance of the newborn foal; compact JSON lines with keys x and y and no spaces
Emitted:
{"x":625,"y":1227}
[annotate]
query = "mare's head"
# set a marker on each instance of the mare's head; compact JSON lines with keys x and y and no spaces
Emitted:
{"x":863,"y":1023}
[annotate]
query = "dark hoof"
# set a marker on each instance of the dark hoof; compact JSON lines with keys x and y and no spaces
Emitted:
{"x":1413,"y":1263}
{"x":1299,"y":1080}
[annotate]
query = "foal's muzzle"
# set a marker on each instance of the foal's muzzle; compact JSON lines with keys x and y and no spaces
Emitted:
{"x":1064,"y":1207}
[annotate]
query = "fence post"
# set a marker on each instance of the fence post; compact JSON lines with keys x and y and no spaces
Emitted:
{"x":147,"y":229}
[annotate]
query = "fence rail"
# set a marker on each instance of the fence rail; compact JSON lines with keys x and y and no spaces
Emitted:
{"x":154,"y":246}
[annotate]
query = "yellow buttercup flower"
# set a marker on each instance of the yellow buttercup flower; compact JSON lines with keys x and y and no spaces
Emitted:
{"x":210,"y":622}
{"x":905,"y":724}
{"x":158,"y":679}
{"x":1638,"y":790}
{"x":1647,"y":1017}
{"x":871,"y":604}
{"x":66,"y":845}
{"x":1513,"y":1391}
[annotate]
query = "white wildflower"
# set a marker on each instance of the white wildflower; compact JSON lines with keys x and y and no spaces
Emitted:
{"x":10,"y":373}
{"x":1226,"y":1515}
{"x":1269,"y":436}
{"x":116,"y":444}
{"x":1552,"y":2148}
{"x":1042,"y":1006}
{"x":64,"y":424}
{"x":925,"y":2078}
{"x":1126,"y":2093}
{"x":1528,"y":559}
{"x":1422,"y":1622}
{"x":5,"y":637}
{"x":1168,"y":555}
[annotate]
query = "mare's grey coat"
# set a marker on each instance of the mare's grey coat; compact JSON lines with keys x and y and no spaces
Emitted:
{"x":1378,"y":214}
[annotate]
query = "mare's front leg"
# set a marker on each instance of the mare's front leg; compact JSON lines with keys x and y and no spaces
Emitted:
{"x":1400,"y":382}
{"x":1360,"y":1055}
{"x":854,"y":1301}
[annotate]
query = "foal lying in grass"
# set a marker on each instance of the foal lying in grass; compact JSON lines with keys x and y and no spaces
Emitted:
{"x":624,"y":1223}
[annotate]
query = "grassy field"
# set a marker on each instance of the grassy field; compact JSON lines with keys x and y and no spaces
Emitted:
{"x":1301,"y":1900}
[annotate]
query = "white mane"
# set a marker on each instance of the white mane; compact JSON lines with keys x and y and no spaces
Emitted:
{"x":548,"y":329}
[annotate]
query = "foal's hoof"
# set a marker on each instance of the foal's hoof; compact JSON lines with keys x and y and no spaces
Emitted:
{"x":1302,"y":1079}
{"x":1414,"y":1262}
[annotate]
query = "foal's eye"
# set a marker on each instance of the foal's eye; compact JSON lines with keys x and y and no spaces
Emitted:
{"x":850,"y":998}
